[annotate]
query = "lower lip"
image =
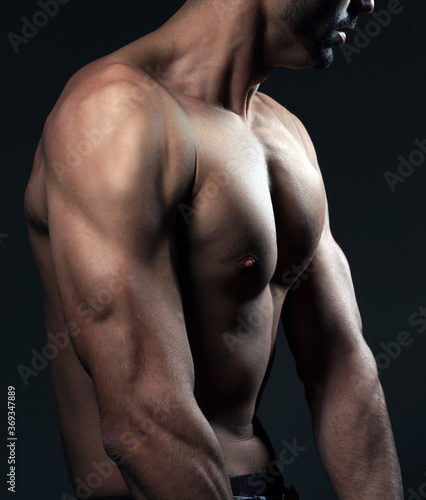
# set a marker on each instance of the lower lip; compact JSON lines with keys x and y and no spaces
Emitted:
{"x":342,"y":36}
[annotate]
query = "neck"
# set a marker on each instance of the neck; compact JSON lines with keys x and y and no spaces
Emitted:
{"x":212,"y":51}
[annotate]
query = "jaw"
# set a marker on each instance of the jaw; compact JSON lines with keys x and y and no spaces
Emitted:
{"x":305,"y":56}
{"x":305,"y":33}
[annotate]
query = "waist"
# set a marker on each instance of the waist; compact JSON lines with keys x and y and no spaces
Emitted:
{"x":246,"y":450}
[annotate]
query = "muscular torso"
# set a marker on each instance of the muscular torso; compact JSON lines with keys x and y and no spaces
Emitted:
{"x":254,"y":211}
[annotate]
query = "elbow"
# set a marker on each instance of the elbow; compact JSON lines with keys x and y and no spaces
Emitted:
{"x":113,"y":448}
{"x":352,"y":371}
{"x":128,"y":429}
{"x":123,"y":438}
{"x":116,"y":438}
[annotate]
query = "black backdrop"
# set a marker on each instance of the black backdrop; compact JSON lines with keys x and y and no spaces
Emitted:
{"x":363,"y":114}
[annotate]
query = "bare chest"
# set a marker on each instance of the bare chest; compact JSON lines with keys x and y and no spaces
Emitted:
{"x":256,"y":212}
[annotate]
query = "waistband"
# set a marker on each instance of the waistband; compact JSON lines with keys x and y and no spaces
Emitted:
{"x":267,"y":483}
{"x":118,"y":498}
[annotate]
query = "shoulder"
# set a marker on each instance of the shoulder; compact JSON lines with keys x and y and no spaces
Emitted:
{"x":112,"y":125}
{"x":291,"y":122}
{"x":102,"y":101}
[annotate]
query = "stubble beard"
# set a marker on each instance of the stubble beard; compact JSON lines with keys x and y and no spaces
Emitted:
{"x":315,"y":30}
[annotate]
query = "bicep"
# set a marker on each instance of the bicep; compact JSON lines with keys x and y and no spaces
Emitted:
{"x":320,"y":315}
{"x":127,"y":305}
{"x":110,"y":236}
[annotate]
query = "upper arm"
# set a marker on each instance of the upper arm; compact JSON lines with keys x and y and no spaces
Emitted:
{"x":110,"y":216}
{"x":320,"y":314}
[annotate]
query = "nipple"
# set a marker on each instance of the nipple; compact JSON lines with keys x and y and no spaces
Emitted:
{"x":247,"y":262}
{"x":250,"y":262}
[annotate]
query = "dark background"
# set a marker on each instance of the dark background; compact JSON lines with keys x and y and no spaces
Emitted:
{"x":361,"y":116}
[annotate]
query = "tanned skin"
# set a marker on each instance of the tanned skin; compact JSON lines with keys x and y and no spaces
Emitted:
{"x":168,"y":201}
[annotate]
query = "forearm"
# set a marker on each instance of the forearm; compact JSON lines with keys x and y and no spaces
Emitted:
{"x":353,"y":432}
{"x":172,"y":454}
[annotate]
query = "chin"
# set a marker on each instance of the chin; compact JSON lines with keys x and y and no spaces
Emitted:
{"x":311,"y":57}
{"x":319,"y":58}
{"x":323,"y":59}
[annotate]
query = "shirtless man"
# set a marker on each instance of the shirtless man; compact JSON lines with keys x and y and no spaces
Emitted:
{"x":167,"y":204}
